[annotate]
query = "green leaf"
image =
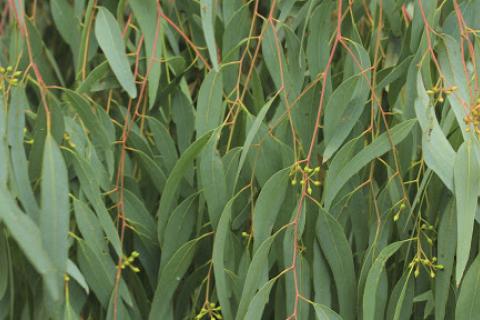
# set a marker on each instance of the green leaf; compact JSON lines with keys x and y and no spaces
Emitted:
{"x":254,"y":279}
{"x":110,"y":41}
{"x":336,"y":180}
{"x":29,"y":238}
{"x":97,"y":131}
{"x":466,"y":175}
{"x":218,"y":259}
{"x":213,"y":181}
{"x":467,"y":303}
{"x":323,"y":312}
{"x":67,"y":25}
{"x":251,"y":136}
{"x":170,"y":276}
{"x":401,"y":300}
{"x":91,"y":189}
{"x":257,"y":305}
{"x":373,"y":279}
{"x":19,"y":162}
{"x":55,"y":209}
{"x":320,"y":27}
{"x":89,"y":226}
{"x":4,"y":265}
{"x":179,"y":228}
{"x":208,"y":21}
{"x":76,"y":274}
{"x":173,"y":182}
{"x":447,"y":241}
{"x":437,"y":151}
{"x":99,"y":271}
{"x":209,"y":104}
{"x":334,"y":244}
{"x":346,"y":105}
{"x":146,"y":14}
{"x":3,"y":144}
{"x":164,"y":143}
{"x":268,"y":206}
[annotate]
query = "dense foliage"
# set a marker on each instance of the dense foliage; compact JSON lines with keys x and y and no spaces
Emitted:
{"x":207,"y":159}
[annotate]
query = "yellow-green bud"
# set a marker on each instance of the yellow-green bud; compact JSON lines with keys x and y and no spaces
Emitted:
{"x":135,"y":269}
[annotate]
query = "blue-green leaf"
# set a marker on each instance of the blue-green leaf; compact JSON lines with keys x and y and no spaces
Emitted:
{"x":111,"y":42}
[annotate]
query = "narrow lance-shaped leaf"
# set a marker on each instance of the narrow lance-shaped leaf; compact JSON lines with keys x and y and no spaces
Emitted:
{"x":447,"y":241}
{"x":334,"y":244}
{"x":251,"y":135}
{"x":437,"y":151}
{"x":111,"y":42}
{"x":323,"y":312}
{"x":213,"y":181}
{"x":55,"y":210}
{"x":373,"y":279}
{"x":336,"y":180}
{"x":64,"y":17}
{"x":467,"y":303}
{"x":257,"y":305}
{"x":346,"y":104}
{"x":169,"y":278}
{"x":209,"y":104}
{"x":3,"y":143}
{"x":218,"y":259}
{"x":466,"y":175}
{"x":173,"y":182}
{"x":29,"y":238}
{"x":146,"y":14}
{"x":208,"y":21}
{"x":268,"y":206}
{"x":253,"y":281}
